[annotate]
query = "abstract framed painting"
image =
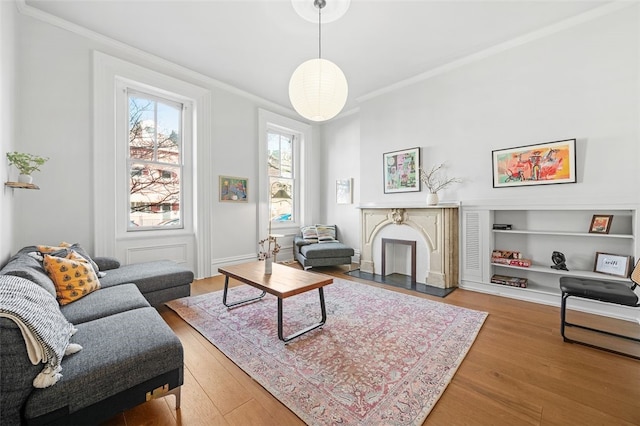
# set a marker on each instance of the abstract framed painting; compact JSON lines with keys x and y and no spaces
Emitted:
{"x":234,"y":189}
{"x":538,"y":164}
{"x":401,"y":170}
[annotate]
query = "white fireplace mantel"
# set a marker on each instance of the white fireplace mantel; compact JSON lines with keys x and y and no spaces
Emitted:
{"x":437,"y":225}
{"x":403,"y":205}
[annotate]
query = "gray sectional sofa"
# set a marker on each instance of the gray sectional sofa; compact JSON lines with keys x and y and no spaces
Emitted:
{"x":129,"y":354}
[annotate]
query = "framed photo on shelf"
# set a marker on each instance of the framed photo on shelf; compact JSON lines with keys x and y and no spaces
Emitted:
{"x":539,"y":164}
{"x":234,"y":189}
{"x":401,"y":170}
{"x":601,"y":223}
{"x":344,"y":194}
{"x":613,"y":264}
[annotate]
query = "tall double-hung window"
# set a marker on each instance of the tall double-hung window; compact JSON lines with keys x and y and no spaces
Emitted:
{"x":154,"y":161}
{"x":280,"y":159}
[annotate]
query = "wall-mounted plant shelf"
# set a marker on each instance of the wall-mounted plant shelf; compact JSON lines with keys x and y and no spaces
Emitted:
{"x":21,"y":185}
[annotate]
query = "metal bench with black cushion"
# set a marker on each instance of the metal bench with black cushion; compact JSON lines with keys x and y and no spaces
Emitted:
{"x":616,"y":292}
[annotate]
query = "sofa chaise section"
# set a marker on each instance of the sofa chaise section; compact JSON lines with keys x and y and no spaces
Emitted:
{"x":111,"y":374}
{"x":327,"y":251}
{"x":129,"y":354}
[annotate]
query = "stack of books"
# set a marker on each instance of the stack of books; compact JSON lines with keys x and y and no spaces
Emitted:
{"x":512,"y":281}
{"x":511,"y":258}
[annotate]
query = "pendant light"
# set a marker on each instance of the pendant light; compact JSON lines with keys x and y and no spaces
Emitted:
{"x":318,"y":88}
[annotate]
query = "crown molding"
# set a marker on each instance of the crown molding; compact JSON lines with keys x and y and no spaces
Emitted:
{"x":502,"y":47}
{"x":197,"y":77}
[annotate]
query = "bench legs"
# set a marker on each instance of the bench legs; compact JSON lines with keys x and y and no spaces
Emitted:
{"x":564,"y":323}
{"x":306,"y":330}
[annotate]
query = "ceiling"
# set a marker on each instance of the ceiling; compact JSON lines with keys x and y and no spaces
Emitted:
{"x":255,"y":45}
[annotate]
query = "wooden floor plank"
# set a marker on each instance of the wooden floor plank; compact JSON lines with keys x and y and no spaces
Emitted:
{"x":518,"y":372}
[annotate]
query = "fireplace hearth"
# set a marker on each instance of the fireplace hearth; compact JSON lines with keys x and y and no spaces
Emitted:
{"x":402,"y":281}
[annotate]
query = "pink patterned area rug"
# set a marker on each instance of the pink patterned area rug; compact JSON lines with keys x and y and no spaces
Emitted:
{"x":382,"y":358}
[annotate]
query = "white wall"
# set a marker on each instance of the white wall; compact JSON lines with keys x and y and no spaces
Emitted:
{"x":581,"y":83}
{"x":54,"y":118}
{"x":7,"y":96}
{"x":341,"y":160}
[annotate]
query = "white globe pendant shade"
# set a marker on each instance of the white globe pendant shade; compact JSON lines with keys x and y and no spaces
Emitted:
{"x":318,"y":89}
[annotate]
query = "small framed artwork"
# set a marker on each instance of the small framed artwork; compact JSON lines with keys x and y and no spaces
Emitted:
{"x":343,"y":191}
{"x":601,"y":223}
{"x":234,"y":189}
{"x":401,"y":170}
{"x":539,"y":164}
{"x":613,"y":264}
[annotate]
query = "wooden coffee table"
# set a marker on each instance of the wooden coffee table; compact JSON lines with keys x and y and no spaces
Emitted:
{"x":283,"y":282}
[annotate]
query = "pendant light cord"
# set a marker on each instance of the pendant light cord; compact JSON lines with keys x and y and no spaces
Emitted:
{"x":320,"y":6}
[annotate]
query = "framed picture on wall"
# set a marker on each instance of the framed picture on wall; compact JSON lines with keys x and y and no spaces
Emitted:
{"x":344,"y":193}
{"x":539,"y":164}
{"x":234,"y":189}
{"x":400,"y":169}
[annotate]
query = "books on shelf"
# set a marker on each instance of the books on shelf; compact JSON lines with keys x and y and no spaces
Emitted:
{"x":509,"y":257}
{"x":507,"y":254}
{"x":502,"y":226}
{"x":510,"y":281}
{"x":525,"y":263}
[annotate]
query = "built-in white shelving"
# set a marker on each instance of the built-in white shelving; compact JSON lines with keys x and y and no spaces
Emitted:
{"x":536,"y":233}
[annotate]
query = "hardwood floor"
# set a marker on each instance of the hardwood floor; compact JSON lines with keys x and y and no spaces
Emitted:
{"x":518,"y":372}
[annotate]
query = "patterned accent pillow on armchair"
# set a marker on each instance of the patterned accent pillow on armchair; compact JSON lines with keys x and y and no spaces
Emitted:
{"x":326,"y":233}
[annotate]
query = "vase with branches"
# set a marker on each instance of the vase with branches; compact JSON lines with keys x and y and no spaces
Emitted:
{"x":267,"y":250}
{"x":435,"y":181}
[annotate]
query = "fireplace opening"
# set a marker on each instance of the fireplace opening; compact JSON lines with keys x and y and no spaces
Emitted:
{"x":396,"y":258}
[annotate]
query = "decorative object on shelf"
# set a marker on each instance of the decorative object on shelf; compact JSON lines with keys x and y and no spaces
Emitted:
{"x":434,"y":182}
{"x":559,"y":261}
{"x":343,"y":191}
{"x":318,"y":88}
{"x":401,"y":171}
{"x":613,"y":264}
{"x":267,"y":254}
{"x":234,"y":189}
{"x":601,"y":223}
{"x":539,"y":164}
{"x":26,"y":164}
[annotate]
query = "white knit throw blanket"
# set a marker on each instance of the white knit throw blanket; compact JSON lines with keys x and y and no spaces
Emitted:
{"x":45,"y":330}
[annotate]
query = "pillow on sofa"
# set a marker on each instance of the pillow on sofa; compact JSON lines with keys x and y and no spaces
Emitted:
{"x":309,"y":234}
{"x":73,"y":276}
{"x":326,"y":233}
{"x":75,"y":247}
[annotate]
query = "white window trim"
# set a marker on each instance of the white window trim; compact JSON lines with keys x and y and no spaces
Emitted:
{"x":122,"y":166}
{"x":107,"y":71}
{"x":302,"y":148}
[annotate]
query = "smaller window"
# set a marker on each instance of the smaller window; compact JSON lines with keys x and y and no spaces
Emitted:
{"x":281,"y":182}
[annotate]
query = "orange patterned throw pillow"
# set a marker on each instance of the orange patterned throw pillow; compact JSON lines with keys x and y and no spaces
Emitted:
{"x":73,"y":276}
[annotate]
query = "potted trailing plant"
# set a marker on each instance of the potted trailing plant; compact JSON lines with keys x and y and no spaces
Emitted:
{"x":26,"y":164}
{"x":434,"y":182}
